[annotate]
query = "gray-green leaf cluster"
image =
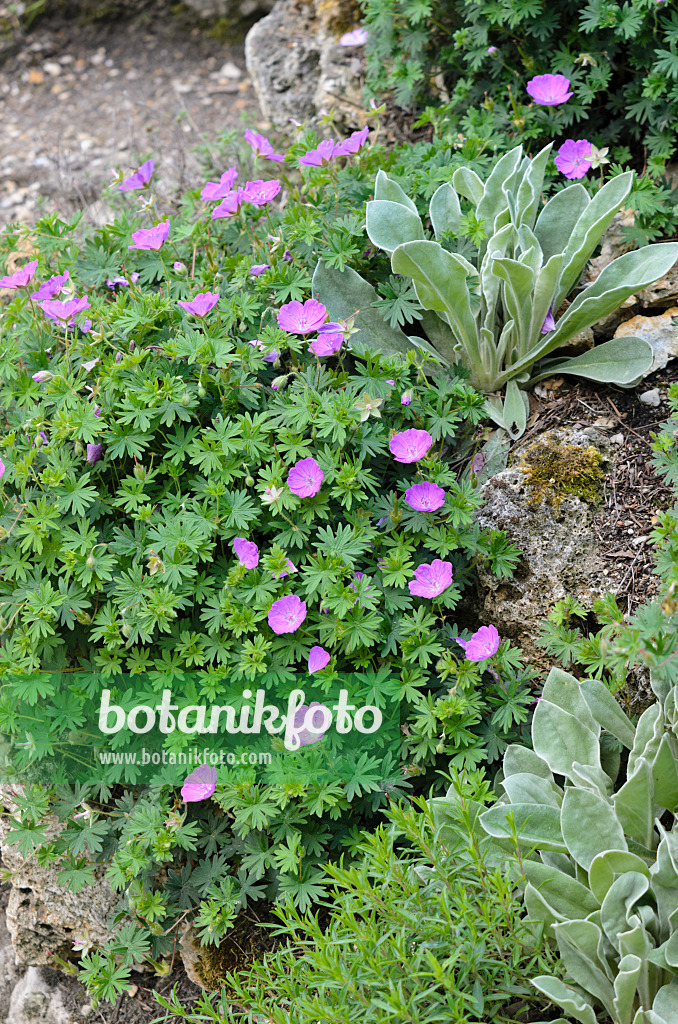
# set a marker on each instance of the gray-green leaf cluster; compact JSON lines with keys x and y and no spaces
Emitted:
{"x":597,"y":854}
{"x":490,"y":312}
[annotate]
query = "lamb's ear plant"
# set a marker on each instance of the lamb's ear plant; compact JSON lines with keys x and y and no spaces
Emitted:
{"x":597,"y":855}
{"x":492,"y":312}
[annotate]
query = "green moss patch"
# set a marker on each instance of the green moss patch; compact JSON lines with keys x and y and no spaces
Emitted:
{"x":554,"y":469}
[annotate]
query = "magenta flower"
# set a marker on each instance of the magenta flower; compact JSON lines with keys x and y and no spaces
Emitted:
{"x":113,"y":282}
{"x":257,"y":269}
{"x":322,"y":154}
{"x":549,"y":322}
{"x":150,"y":239}
{"x":410,"y":445}
{"x":50,"y":289}
{"x":406,"y":398}
{"x":270,"y":357}
{"x":247,"y":552}
{"x":140,"y":178}
{"x":261,"y":146}
{"x":549,"y":90}
{"x":41,"y":376}
{"x":425,"y":497}
{"x":21,"y":277}
{"x":318,"y":657}
{"x":2,"y":473}
{"x":201,"y":304}
{"x":215,"y":190}
{"x":326,"y":345}
{"x":199,"y":785}
{"x":431,"y":580}
{"x":303,"y":736}
{"x":63,"y":313}
{"x":353,"y":143}
{"x":261,"y":192}
{"x":305,"y":477}
{"x":574,"y":158}
{"x":94,"y":453}
{"x":301,"y":318}
{"x":39,"y":439}
{"x":229,"y":205}
{"x":491,"y":50}
{"x":358,"y":37}
{"x":483,"y":644}
{"x":286,"y":614}
{"x":97,"y":412}
{"x":290,"y":567}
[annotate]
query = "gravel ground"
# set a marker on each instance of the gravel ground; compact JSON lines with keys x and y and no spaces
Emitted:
{"x":79,"y":102}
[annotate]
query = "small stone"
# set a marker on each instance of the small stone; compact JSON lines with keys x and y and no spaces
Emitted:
{"x":86,"y":1010}
{"x":98,"y":58}
{"x":651,"y":397}
{"x":50,"y":67}
{"x":659,"y":331}
{"x":230,"y":70}
{"x":35,"y":77}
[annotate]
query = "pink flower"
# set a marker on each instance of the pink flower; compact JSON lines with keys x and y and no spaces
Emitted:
{"x":301,"y":318}
{"x":261,"y":146}
{"x":425,"y":497}
{"x":549,"y":90}
{"x":113,"y":282}
{"x":271,"y":356}
{"x":318,"y":657}
{"x":97,"y":412}
{"x":286,"y":614}
{"x":358,"y":37}
{"x":2,"y":473}
{"x":353,"y":143}
{"x":41,"y":376}
{"x":199,"y":785}
{"x":406,"y":398}
{"x":302,"y":735}
{"x":322,"y":154}
{"x":229,"y":205}
{"x":150,"y":239}
{"x":326,"y":345}
{"x":410,"y":445}
{"x":21,"y":277}
{"x":549,"y":322}
{"x":247,"y":552}
{"x":261,"y":192}
{"x":201,"y":304}
{"x":431,"y":580}
{"x":215,"y":190}
{"x":478,"y":462}
{"x":64,"y":313}
{"x":50,"y":289}
{"x":140,"y":178}
{"x":290,"y":567}
{"x":305,"y":477}
{"x":94,"y":453}
{"x":573,"y":159}
{"x":483,"y":644}
{"x":257,"y":269}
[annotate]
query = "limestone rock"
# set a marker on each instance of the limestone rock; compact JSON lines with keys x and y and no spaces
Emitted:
{"x":232,"y":10}
{"x":297,"y":66}
{"x":560,"y":551}
{"x":613,"y":245}
{"x":663,"y":292}
{"x":34,"y":1001}
{"x":659,"y":331}
{"x":42,"y":916}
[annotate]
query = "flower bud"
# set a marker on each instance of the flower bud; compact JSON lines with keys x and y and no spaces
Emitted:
{"x":140,"y":472}
{"x":201,"y":391}
{"x":132,"y":345}
{"x":249,"y":481}
{"x":180,"y":269}
{"x":91,"y":561}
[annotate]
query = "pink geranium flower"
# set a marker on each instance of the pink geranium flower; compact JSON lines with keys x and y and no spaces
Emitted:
{"x":574,"y":158}
{"x":287,"y":614}
{"x":358,"y":37}
{"x":2,"y":473}
{"x":21,"y":277}
{"x":261,"y":192}
{"x":353,"y":143}
{"x":425,"y":497}
{"x":326,"y":345}
{"x":431,"y":579}
{"x":140,"y":178}
{"x":261,"y":146}
{"x":301,"y":318}
{"x":483,"y":644}
{"x":247,"y":552}
{"x":549,"y":90}
{"x":271,"y":356}
{"x":64,"y":313}
{"x":229,"y":205}
{"x":215,"y":190}
{"x":50,"y":289}
{"x":94,"y":453}
{"x":318,"y":657}
{"x":322,"y":154}
{"x":257,"y":269}
{"x":410,"y":445}
{"x":150,"y":239}
{"x":303,"y":736}
{"x":290,"y":567}
{"x":406,"y":398}
{"x":199,"y":785}
{"x":305,"y":477}
{"x":201,"y":304}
